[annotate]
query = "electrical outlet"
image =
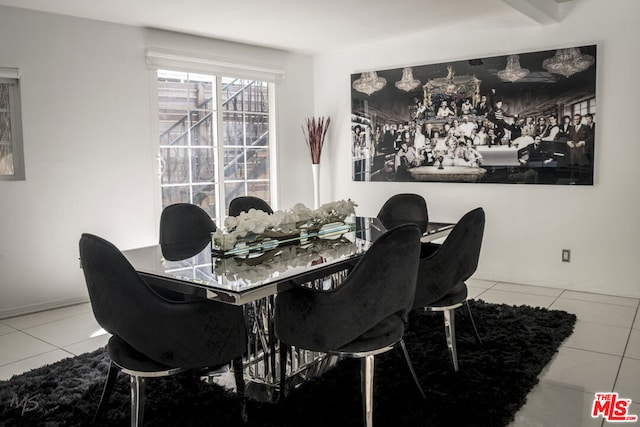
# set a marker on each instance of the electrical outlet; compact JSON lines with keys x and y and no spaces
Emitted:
{"x":566,"y":255}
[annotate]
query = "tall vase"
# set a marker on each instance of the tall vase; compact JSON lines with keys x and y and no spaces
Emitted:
{"x":315,"y":169}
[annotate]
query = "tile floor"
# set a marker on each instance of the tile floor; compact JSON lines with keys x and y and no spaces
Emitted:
{"x":603,"y":354}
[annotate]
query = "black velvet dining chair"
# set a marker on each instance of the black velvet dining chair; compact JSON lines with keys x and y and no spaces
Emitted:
{"x":185,"y":229}
{"x":153,"y":336}
{"x":244,"y":203}
{"x":362,"y":317}
{"x":404,"y":208}
{"x":442,"y":273}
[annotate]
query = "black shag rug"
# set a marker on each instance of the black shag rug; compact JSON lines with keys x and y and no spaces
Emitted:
{"x":490,"y":387}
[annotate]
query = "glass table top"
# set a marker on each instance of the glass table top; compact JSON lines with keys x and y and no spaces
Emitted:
{"x":244,"y":274}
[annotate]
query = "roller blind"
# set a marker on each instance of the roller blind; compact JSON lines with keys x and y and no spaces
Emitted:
{"x":9,"y":73}
{"x":198,"y":62}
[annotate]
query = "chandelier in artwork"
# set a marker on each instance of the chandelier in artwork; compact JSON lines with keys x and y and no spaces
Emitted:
{"x":567,"y":62}
{"x":513,"y":71}
{"x":407,"y":83}
{"x":369,"y":83}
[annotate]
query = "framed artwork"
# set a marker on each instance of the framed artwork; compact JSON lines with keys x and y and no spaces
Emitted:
{"x":524,"y":118}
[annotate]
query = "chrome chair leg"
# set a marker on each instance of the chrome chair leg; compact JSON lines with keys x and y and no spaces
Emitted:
{"x":450,"y":333}
{"x":137,"y":400}
{"x":410,"y":365}
{"x":112,"y":374}
{"x":238,"y":372}
{"x":473,"y":323}
{"x":367,"y":364}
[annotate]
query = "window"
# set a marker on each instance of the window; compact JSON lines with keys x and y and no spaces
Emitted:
{"x":215,"y":141}
{"x":11,"y":151}
{"x":584,"y":107}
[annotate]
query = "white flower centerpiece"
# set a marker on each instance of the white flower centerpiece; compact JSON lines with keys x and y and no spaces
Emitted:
{"x":258,"y":230}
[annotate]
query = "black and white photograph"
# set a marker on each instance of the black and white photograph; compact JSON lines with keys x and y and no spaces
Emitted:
{"x":524,"y":118}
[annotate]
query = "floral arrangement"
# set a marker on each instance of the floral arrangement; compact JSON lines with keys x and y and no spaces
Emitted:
{"x":280,"y":223}
{"x":279,"y":261}
{"x":316,"y":131}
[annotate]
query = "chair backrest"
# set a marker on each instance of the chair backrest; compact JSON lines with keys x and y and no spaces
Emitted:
{"x":454,"y":262}
{"x":380,"y":285}
{"x":185,"y":229}
{"x":244,"y":203}
{"x":404,"y":208}
{"x":181,"y":334}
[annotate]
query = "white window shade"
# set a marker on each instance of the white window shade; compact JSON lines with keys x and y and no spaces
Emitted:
{"x":9,"y":73}
{"x":197,"y":62}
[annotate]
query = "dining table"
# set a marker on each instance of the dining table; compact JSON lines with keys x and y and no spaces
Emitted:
{"x":253,"y":273}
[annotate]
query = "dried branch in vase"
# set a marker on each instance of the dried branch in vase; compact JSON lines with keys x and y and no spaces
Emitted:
{"x":316,"y":131}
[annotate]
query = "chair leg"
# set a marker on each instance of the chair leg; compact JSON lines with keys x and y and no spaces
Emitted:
{"x":238,"y":372}
{"x":112,"y":374}
{"x":367,"y":365}
{"x":410,"y":365}
{"x":475,"y":330}
{"x":450,"y":333}
{"x":283,"y":370}
{"x":137,"y":401}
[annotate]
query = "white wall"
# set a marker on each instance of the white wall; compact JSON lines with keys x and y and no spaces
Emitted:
{"x":527,"y":225}
{"x":89,"y":148}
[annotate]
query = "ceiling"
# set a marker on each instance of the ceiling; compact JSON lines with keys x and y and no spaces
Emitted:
{"x":302,"y":26}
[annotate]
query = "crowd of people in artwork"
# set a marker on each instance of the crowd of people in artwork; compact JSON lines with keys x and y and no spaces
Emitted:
{"x":452,"y":134}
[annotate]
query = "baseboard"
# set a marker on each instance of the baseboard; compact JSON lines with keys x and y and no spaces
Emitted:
{"x":34,"y":308}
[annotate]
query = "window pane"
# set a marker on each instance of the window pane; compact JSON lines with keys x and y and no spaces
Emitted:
{"x":257,"y":164}
{"x":5,"y":127}
{"x":259,"y":189}
{"x":233,"y":129}
{"x":4,"y":96}
{"x":205,"y":197}
{"x":234,"y":189}
{"x":257,"y":129}
{"x":178,"y":194}
{"x":6,"y":159}
{"x":234,"y":163}
{"x":175,"y":165}
{"x":203,"y":165}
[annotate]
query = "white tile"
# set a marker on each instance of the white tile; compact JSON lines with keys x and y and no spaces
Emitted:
{"x":582,"y":370}
{"x":475,"y":292}
{"x":88,"y":345}
{"x":549,"y":405}
{"x":480,"y":283}
{"x":606,"y":314}
{"x":24,"y":365}
{"x":516,"y":298}
{"x":17,"y":346}
{"x":4,"y":329}
{"x":628,"y":382}
{"x":40,"y":318}
{"x":633,"y":347}
{"x":526,"y":289}
{"x":606,"y":299}
{"x":67,"y":331}
{"x":636,"y":323}
{"x":597,"y":337}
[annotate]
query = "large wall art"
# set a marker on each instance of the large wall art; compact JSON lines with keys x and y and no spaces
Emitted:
{"x":519,"y":118}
